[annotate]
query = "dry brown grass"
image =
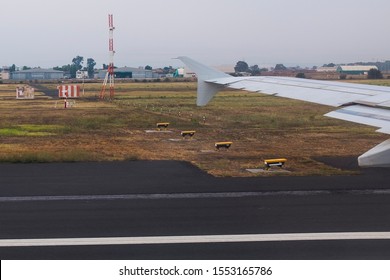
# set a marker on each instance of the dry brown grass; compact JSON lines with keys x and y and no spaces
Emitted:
{"x":259,"y":126}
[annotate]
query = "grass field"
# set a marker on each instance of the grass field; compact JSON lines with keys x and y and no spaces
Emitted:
{"x":259,"y":126}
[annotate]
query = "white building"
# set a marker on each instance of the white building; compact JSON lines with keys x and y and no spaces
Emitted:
{"x":4,"y":74}
{"x":327,"y":69}
{"x":82,"y":74}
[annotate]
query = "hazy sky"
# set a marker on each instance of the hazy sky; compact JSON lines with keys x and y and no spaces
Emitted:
{"x":49,"y":33}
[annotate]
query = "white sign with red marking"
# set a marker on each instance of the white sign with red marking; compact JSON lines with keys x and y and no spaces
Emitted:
{"x":68,"y":91}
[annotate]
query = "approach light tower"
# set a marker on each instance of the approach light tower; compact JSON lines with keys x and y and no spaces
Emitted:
{"x":110,"y":71}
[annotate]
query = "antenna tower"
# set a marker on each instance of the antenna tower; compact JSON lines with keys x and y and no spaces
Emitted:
{"x":110,"y":71}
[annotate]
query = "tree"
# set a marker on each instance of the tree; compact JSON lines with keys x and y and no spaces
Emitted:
{"x":329,"y":65}
{"x":148,"y":67}
{"x":255,"y":70}
{"x":374,"y":74}
{"x":65,"y":68}
{"x":300,"y":75}
{"x":76,"y":65}
{"x":169,"y":70}
{"x":280,"y":67}
{"x":241,"y":66}
{"x":12,"y":68}
{"x":78,"y":60}
{"x":90,"y":67}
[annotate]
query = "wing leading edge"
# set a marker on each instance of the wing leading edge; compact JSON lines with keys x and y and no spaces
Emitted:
{"x":364,"y":104}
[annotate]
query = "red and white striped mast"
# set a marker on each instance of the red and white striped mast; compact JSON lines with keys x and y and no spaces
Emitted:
{"x":110,"y":71}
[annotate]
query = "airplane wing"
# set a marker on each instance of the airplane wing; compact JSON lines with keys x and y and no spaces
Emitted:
{"x":364,"y":104}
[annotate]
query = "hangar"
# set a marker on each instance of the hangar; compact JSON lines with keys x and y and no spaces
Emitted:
{"x":37,"y":74}
{"x":129,"y":73}
{"x":355,"y":69}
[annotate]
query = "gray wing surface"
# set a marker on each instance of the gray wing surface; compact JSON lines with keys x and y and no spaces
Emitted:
{"x":321,"y":92}
{"x":364,"y":104}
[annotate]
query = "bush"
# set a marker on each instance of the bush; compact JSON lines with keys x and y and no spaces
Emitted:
{"x":343,"y":77}
{"x":374,"y":74}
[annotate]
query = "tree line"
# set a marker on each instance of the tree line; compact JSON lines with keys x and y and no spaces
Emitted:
{"x":243,"y":68}
{"x":72,"y":68}
{"x":77,"y":65}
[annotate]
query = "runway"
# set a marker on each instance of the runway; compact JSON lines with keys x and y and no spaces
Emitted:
{"x":340,"y":217}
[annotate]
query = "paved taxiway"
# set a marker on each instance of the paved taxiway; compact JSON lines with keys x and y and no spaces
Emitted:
{"x":74,"y":202}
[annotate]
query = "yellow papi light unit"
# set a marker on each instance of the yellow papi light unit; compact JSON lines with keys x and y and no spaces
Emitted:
{"x":225,"y":145}
{"x":188,"y":133}
{"x":162,"y":125}
{"x":274,"y":162}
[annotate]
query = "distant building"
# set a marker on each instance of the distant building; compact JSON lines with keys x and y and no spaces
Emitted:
{"x":129,"y":73}
{"x":4,"y":75}
{"x":179,"y":73}
{"x":37,"y":74}
{"x":355,"y":69}
{"x":327,"y":69}
{"x":184,"y":73}
{"x":81,"y":74}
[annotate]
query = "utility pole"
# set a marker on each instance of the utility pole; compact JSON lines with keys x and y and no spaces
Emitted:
{"x":110,"y":71}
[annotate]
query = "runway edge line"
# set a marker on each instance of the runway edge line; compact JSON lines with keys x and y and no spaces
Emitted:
{"x":195,"y":239}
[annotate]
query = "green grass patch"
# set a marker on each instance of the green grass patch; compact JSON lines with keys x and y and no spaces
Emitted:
{"x":76,"y":155}
{"x":97,"y":122}
{"x":379,"y":82}
{"x":32,"y":130}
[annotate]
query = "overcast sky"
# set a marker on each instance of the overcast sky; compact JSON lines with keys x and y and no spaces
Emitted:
{"x":49,"y":33}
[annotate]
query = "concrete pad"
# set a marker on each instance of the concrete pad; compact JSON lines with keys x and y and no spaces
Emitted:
{"x":207,"y":151}
{"x":261,"y":170}
{"x":158,"y":131}
{"x":175,"y":140}
{"x":181,"y":140}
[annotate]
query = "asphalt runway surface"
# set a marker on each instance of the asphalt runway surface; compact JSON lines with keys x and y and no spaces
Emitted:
{"x":173,"y":201}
